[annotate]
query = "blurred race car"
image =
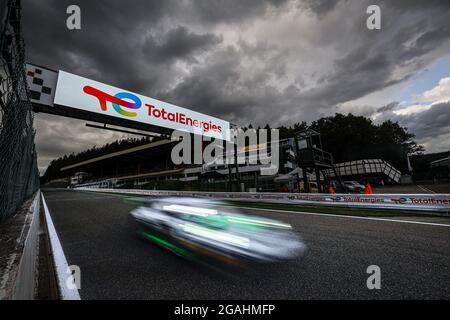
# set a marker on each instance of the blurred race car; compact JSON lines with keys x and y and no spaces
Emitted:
{"x":353,"y":186}
{"x":210,"y":228}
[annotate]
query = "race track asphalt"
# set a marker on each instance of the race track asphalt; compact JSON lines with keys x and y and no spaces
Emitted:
{"x":116,"y":264}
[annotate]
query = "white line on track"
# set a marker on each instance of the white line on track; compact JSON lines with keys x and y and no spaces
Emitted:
{"x":350,"y":217}
{"x":425,"y":189}
{"x":59,"y":259}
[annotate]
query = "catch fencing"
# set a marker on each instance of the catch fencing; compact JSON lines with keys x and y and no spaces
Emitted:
{"x":19,"y":176}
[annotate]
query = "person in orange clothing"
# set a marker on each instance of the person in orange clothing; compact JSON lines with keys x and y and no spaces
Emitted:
{"x":368,"y":188}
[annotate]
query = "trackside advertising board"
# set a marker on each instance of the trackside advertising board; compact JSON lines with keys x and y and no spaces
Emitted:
{"x":433,"y":203}
{"x":81,"y":93}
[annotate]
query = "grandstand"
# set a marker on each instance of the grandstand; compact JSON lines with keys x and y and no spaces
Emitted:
{"x":149,"y":166}
{"x":134,"y":165}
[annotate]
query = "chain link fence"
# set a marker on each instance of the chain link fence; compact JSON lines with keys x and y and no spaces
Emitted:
{"x":19,"y":175}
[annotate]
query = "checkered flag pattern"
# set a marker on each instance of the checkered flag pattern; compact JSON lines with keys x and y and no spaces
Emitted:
{"x":42,"y":84}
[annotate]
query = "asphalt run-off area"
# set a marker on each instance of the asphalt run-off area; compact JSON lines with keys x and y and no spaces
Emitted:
{"x":97,"y":236}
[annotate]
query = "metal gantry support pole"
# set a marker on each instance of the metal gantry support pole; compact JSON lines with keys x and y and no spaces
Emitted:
{"x":305,"y":180}
{"x":230,"y":185}
{"x":236,"y":164}
{"x":319,"y":187}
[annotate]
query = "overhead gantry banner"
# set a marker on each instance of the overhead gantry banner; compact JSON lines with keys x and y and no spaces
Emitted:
{"x":52,"y":88}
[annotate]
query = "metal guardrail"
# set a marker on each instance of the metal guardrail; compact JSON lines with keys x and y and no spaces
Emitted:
{"x":439,"y":203}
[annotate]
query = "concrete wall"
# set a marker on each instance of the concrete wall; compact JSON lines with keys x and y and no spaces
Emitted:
{"x":19,"y":258}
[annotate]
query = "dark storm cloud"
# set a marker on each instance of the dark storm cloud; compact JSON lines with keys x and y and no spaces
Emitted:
{"x":216,"y":87}
{"x":429,"y":123}
{"x":178,"y":43}
{"x":220,"y":11}
{"x":389,"y":107}
{"x":431,"y":127}
{"x":122,"y":43}
{"x":319,"y":7}
{"x":103,"y":49}
{"x":370,"y":66}
{"x":226,"y":59}
{"x":213,"y":86}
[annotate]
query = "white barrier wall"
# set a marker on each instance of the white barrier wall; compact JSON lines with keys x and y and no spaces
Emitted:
{"x":412,"y":202}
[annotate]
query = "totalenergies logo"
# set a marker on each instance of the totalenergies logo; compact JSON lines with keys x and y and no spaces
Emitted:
{"x":161,"y":113}
{"x":116,"y":100}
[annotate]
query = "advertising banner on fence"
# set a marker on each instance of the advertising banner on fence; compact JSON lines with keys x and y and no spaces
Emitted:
{"x":408,"y":202}
{"x":89,"y":95}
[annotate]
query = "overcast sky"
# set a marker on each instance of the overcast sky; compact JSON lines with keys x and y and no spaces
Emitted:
{"x":255,"y":61}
